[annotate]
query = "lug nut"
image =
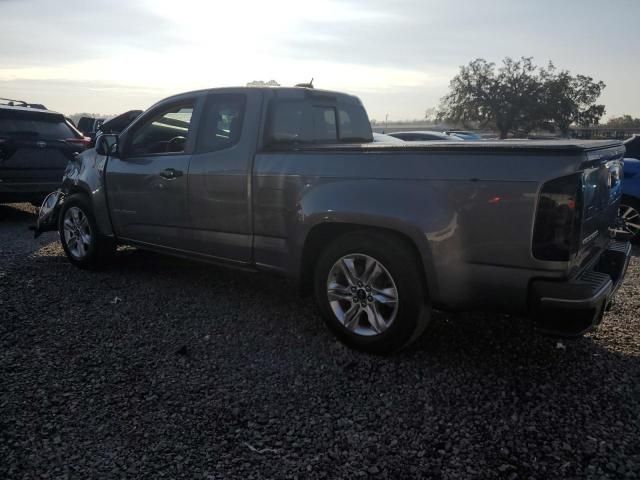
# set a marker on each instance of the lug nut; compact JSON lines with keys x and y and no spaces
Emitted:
{"x":368,"y":288}
{"x":355,"y":299}
{"x":363,"y":304}
{"x":353,"y":289}
{"x":370,"y":298}
{"x":359,"y":284}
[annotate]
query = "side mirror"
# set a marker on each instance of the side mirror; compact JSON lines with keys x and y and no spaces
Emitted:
{"x":107,"y":144}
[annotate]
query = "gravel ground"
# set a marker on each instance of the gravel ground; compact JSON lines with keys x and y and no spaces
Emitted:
{"x":160,"y":368}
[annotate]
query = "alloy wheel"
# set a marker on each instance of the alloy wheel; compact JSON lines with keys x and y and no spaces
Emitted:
{"x":77,"y":232}
{"x":362,"y":294}
{"x":630,"y":219}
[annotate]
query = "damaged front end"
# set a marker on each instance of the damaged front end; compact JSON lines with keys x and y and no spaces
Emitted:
{"x":48,"y":213}
{"x":84,"y":175}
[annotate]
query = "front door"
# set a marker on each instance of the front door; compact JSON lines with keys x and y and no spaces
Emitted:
{"x":148,"y":184}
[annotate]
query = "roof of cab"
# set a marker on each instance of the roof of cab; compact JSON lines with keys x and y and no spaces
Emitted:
{"x":281,"y":92}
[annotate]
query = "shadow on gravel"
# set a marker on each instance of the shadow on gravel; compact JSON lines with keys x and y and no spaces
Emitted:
{"x":476,"y":338}
{"x":22,"y":213}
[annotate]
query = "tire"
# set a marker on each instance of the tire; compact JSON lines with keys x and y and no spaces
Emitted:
{"x":630,"y":211}
{"x":392,"y":294}
{"x":81,"y":240}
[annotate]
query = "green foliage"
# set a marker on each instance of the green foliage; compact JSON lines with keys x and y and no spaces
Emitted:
{"x":262,"y":83}
{"x":625,"y":121}
{"x":518,"y":97}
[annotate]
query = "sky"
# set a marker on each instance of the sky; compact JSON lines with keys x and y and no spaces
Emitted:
{"x":398,"y":56}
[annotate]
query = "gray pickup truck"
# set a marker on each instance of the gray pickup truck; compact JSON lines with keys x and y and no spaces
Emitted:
{"x":289,"y":180}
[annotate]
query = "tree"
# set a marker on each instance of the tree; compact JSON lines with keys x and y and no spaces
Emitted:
{"x":262,"y":83}
{"x":504,"y":98}
{"x":570,"y":100}
{"x":625,"y":121}
{"x":431,"y":115}
{"x":519,"y":96}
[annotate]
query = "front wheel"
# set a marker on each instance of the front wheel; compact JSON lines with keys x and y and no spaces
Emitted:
{"x":83,"y":244}
{"x":370,"y":292}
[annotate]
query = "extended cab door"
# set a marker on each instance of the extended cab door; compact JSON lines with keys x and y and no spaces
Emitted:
{"x":219,"y":174}
{"x":147,"y":185}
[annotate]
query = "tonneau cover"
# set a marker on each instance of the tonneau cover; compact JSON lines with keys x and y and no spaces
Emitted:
{"x":510,"y":146}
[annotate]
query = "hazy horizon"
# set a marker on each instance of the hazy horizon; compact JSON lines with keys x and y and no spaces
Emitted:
{"x":397,"y":56}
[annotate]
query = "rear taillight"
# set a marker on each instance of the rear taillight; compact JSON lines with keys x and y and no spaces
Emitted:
{"x":556,"y":234}
{"x":83,"y":142}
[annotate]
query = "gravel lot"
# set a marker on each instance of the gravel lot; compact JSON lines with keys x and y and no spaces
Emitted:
{"x":160,"y":368}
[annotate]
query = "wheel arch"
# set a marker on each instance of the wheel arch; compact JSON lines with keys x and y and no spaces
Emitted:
{"x":323,"y":233}
{"x":86,"y":176}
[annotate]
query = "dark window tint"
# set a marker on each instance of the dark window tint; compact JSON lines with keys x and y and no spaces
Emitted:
{"x":34,"y":124}
{"x":633,"y":147}
{"x":286,"y":122}
{"x":354,"y":124}
{"x":164,"y":133}
{"x":324,"y":124}
{"x":85,"y":124}
{"x":221,"y":122}
{"x":304,"y":122}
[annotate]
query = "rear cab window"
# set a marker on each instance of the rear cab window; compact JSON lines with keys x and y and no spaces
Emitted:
{"x":315,"y":121}
{"x":41,"y":125}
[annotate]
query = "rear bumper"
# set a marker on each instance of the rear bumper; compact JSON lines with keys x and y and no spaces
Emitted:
{"x":573,"y":307}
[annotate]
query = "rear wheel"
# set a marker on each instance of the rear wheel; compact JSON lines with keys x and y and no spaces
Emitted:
{"x":370,"y":292}
{"x":83,"y":244}
{"x":629,"y":212}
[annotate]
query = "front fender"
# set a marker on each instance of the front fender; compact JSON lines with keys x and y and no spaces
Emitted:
{"x":86,"y":175}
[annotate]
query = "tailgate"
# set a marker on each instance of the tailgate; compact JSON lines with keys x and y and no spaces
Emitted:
{"x":601,"y":193}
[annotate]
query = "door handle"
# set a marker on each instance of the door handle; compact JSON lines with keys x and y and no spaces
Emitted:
{"x":170,"y":173}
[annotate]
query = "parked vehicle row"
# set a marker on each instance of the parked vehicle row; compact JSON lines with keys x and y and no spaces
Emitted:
{"x":290,"y":180}
{"x":425,"y":135}
{"x":89,"y":126}
{"x":431,"y":135}
{"x":630,"y":202}
{"x":35,"y":147}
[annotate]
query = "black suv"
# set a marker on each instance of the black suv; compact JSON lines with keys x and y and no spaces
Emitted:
{"x":35,"y":146}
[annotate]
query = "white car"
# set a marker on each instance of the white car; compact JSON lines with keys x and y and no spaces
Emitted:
{"x":421,"y":136}
{"x":382,"y":138}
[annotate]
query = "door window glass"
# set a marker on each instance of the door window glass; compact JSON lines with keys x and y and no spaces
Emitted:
{"x":164,"y":133}
{"x":221,"y":122}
